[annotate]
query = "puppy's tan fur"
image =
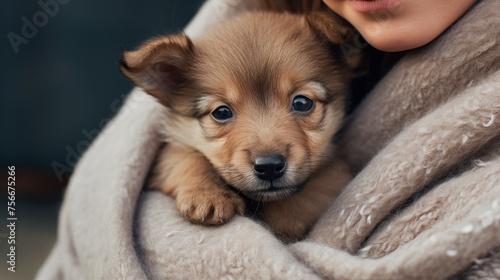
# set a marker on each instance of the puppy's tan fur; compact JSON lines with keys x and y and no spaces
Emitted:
{"x":255,"y":64}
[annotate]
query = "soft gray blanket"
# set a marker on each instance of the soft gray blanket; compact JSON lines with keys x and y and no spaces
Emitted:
{"x":425,"y":204}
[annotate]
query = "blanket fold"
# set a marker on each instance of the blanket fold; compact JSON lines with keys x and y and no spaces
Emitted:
{"x":436,"y":143}
{"x":424,"y":205}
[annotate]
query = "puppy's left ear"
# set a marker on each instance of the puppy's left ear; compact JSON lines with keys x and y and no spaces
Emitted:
{"x":335,"y":30}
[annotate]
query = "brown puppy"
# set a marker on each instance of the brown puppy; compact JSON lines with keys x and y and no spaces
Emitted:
{"x":253,"y":104}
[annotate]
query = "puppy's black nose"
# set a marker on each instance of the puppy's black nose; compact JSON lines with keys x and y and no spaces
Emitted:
{"x":269,"y":167}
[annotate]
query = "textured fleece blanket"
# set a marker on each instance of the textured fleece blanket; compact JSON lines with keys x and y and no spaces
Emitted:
{"x":424,"y":205}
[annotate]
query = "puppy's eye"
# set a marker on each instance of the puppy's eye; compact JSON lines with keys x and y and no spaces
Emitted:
{"x":222,"y":114}
{"x":301,"y":103}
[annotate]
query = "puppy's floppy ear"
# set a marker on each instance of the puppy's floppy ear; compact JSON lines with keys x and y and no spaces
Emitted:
{"x":331,"y":27}
{"x":159,"y":65}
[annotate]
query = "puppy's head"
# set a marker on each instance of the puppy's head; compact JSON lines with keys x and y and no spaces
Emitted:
{"x":260,"y":95}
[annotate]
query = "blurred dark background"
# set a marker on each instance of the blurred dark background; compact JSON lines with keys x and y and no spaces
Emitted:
{"x":59,"y":84}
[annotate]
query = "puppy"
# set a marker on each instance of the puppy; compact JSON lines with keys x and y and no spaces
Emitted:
{"x":250,"y":111}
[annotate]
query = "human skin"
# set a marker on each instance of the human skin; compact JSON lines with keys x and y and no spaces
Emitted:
{"x":397,"y":25}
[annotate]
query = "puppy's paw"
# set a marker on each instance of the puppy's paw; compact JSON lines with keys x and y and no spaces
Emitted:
{"x":210,"y":206}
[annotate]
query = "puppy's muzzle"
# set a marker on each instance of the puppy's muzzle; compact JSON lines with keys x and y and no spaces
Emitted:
{"x":269,"y":167}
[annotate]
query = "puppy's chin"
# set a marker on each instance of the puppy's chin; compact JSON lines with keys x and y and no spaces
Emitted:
{"x":267,"y":191}
{"x":247,"y":183}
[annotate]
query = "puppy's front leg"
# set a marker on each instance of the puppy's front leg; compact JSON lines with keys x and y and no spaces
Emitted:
{"x":294,"y":216}
{"x":201,"y":195}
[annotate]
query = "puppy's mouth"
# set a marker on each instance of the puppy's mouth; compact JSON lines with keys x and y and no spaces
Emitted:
{"x":258,"y":189}
{"x":274,"y":193}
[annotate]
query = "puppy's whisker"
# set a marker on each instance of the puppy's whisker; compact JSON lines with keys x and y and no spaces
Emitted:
{"x":256,"y":208}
